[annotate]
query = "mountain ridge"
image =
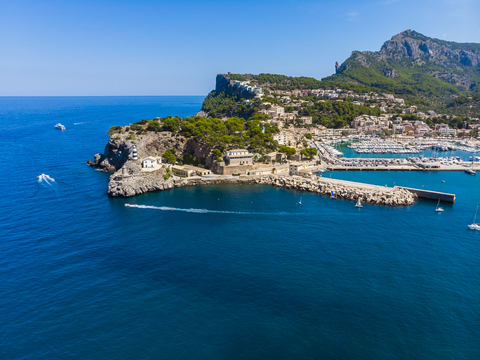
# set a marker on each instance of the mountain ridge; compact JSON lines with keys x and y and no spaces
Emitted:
{"x":409,"y":55}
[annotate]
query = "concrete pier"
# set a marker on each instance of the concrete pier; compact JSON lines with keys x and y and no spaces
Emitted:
{"x":431,"y":195}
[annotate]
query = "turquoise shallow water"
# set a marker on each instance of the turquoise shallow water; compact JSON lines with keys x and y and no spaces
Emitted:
{"x":247,"y":273}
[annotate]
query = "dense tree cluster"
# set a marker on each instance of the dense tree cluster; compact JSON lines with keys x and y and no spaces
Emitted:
{"x":336,"y":114}
{"x":221,"y":104}
{"x":234,"y":132}
{"x":309,"y":152}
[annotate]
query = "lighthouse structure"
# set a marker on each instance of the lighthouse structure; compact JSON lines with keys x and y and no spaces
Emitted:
{"x":134,"y":153}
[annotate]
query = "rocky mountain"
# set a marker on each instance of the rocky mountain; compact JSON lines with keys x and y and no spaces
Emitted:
{"x":416,"y":65}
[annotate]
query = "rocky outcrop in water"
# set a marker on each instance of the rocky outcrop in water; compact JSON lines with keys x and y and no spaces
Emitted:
{"x":119,"y":148}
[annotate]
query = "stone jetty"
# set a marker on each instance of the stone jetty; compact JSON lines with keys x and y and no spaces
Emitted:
{"x":366,"y":193}
{"x":130,"y":182}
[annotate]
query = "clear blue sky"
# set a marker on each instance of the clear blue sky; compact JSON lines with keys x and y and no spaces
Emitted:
{"x":142,"y":47}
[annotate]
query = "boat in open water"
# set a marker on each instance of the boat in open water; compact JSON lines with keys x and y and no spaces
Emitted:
{"x":59,"y":127}
{"x":474,"y":225}
{"x":438,"y":208}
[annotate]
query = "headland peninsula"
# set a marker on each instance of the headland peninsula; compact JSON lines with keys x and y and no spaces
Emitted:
{"x":284,"y":131}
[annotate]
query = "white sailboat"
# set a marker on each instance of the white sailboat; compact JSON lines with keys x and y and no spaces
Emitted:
{"x":358,"y":204}
{"x":300,"y":202}
{"x":474,"y":226}
{"x":470,"y":170}
{"x":438,"y":208}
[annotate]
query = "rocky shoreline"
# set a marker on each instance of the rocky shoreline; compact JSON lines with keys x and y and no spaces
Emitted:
{"x":131,"y":181}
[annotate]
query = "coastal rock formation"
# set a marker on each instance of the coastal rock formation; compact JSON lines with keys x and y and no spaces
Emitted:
{"x":119,"y":148}
{"x":224,"y":84}
{"x":123,"y":184}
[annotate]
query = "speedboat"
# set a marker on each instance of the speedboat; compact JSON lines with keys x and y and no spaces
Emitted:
{"x":438,"y":208}
{"x":59,"y":127}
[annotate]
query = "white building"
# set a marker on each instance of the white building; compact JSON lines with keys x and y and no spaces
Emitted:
{"x":149,"y":162}
{"x":239,"y":157}
{"x":445,"y":131}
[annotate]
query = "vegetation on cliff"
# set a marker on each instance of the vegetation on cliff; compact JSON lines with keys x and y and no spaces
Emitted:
{"x":234,"y":132}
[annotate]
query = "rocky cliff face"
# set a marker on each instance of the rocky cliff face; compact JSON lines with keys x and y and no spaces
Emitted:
{"x":224,"y":84}
{"x":119,"y":149}
{"x":409,"y":55}
{"x":403,"y":45}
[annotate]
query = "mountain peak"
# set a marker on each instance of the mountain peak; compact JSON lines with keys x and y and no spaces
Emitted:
{"x":412,"y":63}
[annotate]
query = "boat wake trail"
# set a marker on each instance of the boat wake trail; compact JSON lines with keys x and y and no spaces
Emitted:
{"x":203,"y":211}
{"x":46,"y":178}
{"x":80,"y":123}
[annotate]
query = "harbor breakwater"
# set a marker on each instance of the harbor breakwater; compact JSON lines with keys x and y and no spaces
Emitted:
{"x":131,"y":185}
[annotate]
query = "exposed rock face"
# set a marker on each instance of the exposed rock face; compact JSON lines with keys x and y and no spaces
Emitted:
{"x":450,"y":62}
{"x":390,"y":73}
{"x":401,"y":46}
{"x":126,"y":186}
{"x":462,"y":80}
{"x":224,"y":84}
{"x":362,"y":59}
{"x":118,"y":149}
{"x":134,"y":185}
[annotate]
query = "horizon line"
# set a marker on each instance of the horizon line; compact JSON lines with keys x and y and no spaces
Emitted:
{"x":5,"y":96}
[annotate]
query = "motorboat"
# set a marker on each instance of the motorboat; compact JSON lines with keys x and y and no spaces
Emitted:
{"x":438,"y":208}
{"x":59,"y":127}
{"x":474,"y":226}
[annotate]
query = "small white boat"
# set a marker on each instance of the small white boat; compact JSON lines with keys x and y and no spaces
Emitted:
{"x":438,"y":208}
{"x":300,"y":202}
{"x":59,"y":127}
{"x":470,"y":171}
{"x":358,"y":204}
{"x":474,"y":226}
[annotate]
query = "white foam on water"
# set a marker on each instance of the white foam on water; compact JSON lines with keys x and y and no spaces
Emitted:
{"x":46,"y":178}
{"x":202,"y":211}
{"x":80,"y":123}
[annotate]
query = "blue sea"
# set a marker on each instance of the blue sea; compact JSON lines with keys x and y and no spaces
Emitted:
{"x":219,"y":272}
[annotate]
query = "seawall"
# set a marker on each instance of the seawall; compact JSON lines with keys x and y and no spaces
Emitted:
{"x":126,"y":186}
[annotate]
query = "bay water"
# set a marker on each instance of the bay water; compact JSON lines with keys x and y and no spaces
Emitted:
{"x":219,"y":272}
